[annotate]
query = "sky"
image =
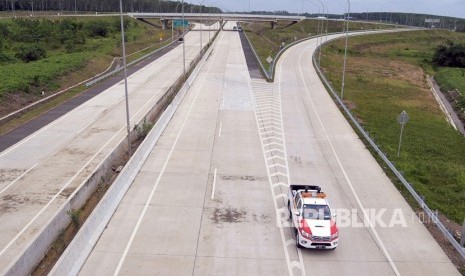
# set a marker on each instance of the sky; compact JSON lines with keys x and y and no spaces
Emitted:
{"x":455,"y":8}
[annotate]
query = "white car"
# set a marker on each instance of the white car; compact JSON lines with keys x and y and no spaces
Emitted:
{"x":314,"y":223}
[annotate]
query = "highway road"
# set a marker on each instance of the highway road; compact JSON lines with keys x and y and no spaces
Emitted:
{"x":201,"y":203}
{"x":40,"y":172}
{"x":323,"y":149}
{"x":211,"y":197}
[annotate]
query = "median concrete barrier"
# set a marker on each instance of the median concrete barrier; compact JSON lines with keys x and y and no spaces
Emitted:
{"x":82,"y":244}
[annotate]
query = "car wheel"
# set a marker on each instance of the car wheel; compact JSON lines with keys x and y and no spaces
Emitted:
{"x":289,"y":208}
{"x":297,"y":238}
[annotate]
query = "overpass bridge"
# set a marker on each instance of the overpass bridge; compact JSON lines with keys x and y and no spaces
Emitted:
{"x":166,"y":17}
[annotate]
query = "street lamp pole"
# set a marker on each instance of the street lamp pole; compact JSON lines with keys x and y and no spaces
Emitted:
{"x":345,"y":50}
{"x":201,"y":3}
{"x":125,"y":77}
{"x":183,"y":42}
{"x":321,"y":31}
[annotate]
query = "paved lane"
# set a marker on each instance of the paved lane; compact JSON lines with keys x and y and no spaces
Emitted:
{"x":39,"y":173}
{"x":205,"y":201}
{"x":324,"y":150}
{"x":201,"y":205}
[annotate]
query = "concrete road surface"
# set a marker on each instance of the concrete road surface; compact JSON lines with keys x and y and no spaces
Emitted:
{"x":40,"y":172}
{"x":201,"y":204}
{"x":323,"y":149}
{"x":211,"y":198}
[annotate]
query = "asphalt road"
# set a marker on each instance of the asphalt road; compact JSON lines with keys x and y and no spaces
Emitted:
{"x":40,"y":172}
{"x":16,"y":135}
{"x":211,"y":198}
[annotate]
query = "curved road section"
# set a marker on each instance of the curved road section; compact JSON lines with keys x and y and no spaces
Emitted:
{"x":211,"y":197}
{"x":379,"y":232}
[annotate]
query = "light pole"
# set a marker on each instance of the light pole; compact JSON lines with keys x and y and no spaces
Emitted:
{"x":321,"y":31}
{"x":345,"y":50}
{"x":183,"y":42}
{"x":200,"y":4}
{"x":125,"y":77}
{"x":319,"y":39}
{"x":172,"y":23}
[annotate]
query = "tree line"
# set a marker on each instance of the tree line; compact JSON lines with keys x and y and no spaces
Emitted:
{"x":156,"y":6}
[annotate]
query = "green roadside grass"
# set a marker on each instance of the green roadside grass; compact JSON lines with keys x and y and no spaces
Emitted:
{"x":268,"y":42}
{"x":451,"y":78}
{"x":23,"y":82}
{"x":386,"y":77}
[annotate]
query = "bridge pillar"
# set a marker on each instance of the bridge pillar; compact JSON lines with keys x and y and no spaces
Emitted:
{"x":221,"y":24}
{"x":273,"y":24}
{"x":164,"y":24}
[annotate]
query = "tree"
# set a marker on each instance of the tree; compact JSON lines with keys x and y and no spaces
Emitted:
{"x":32,"y":52}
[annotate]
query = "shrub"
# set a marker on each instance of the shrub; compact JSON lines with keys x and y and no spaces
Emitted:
{"x":29,"y":53}
{"x":4,"y":58}
{"x":451,"y":55}
{"x":97,"y":28}
{"x":117,"y":24}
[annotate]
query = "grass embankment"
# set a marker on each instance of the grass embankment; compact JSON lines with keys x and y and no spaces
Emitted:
{"x":386,"y":76}
{"x":268,"y":42}
{"x":49,"y":55}
{"x":452,"y":78}
{"x":452,"y":83}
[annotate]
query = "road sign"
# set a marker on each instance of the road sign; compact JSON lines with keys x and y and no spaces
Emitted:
{"x":402,"y":119}
{"x":179,"y":23}
{"x":269,"y":59}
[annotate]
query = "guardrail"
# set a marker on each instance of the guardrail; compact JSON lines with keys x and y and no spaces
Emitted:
{"x":264,"y":71}
{"x":269,"y":74}
{"x":432,"y":215}
{"x":117,"y":70}
{"x":77,"y":252}
{"x":49,"y":98}
{"x":36,"y":249}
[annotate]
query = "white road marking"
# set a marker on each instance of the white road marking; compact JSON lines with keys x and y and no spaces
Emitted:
{"x":219,"y":131}
{"x":56,"y":195}
{"x":299,"y":251}
{"x":268,"y":131}
{"x":19,"y":177}
{"x":366,"y":216}
{"x":84,"y":127}
{"x":69,"y":182}
{"x":22,"y":142}
{"x":214,"y":184}
{"x":152,"y":193}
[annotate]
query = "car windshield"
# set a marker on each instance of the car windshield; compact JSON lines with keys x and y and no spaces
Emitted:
{"x":312,"y":211}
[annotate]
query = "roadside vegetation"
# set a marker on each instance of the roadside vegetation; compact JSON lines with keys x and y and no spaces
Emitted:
{"x":268,"y":42}
{"x":450,"y":57}
{"x":386,"y":75}
{"x":47,"y":55}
